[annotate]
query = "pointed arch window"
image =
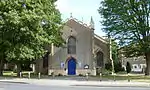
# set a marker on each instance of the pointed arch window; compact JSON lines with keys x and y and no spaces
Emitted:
{"x":72,"y":45}
{"x":100,"y":59}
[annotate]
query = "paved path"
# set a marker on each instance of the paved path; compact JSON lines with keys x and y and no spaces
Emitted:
{"x":47,"y":82}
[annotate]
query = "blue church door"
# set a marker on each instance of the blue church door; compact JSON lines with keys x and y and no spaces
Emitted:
{"x":71,"y":67}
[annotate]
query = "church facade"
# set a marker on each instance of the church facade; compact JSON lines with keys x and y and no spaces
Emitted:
{"x":84,"y":51}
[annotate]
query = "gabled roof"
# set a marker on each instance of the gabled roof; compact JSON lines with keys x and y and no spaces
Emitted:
{"x":82,"y":24}
{"x":74,"y":20}
{"x":100,"y":38}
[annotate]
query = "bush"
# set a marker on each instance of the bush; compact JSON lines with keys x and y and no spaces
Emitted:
{"x":108,"y":66}
{"x":81,"y":75}
{"x":117,"y":67}
{"x":128,"y":67}
{"x":15,"y":70}
{"x":26,"y":67}
{"x":107,"y":72}
{"x":60,"y":74}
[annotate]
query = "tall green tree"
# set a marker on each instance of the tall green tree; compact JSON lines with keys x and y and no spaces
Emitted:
{"x":128,"y":21}
{"x":26,"y":26}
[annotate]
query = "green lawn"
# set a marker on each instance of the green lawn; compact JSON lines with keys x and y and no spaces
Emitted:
{"x":10,"y":74}
{"x":139,"y":78}
{"x":119,"y":76}
{"x":25,"y":74}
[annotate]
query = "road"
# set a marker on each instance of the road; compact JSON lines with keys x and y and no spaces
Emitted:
{"x":23,"y":86}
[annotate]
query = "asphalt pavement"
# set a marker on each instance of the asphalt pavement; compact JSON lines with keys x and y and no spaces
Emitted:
{"x":69,"y":82}
{"x":50,"y":82}
{"x":21,"y":86}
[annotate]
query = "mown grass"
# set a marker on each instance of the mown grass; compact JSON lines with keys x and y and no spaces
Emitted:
{"x":131,"y":77}
{"x":126,"y":77}
{"x":25,"y":74}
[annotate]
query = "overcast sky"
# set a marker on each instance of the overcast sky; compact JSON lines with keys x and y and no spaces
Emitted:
{"x":82,"y":9}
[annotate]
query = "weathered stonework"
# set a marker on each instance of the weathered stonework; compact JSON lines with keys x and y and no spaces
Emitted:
{"x":87,"y":46}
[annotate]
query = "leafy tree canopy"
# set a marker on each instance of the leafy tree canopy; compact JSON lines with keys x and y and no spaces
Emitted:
{"x":129,"y":22}
{"x":26,"y":26}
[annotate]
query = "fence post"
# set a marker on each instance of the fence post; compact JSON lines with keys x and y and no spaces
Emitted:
{"x":12,"y":74}
{"x":128,"y":78}
{"x":114,"y":76}
{"x":39,"y":75}
{"x":20,"y":74}
{"x":87,"y":77}
{"x":100,"y":74}
{"x":29,"y":75}
{"x":53,"y":75}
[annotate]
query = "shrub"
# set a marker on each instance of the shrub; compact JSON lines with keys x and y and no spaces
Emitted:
{"x":128,"y":67}
{"x":60,"y":74}
{"x":26,"y":67}
{"x":117,"y":67}
{"x":108,"y":66}
{"x":81,"y":75}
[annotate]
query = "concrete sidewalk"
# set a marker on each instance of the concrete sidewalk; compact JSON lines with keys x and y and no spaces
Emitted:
{"x":76,"y":83}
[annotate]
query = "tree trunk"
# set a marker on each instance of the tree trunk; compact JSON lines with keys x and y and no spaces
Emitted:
{"x":1,"y":67}
{"x":18,"y":69}
{"x":147,"y":55}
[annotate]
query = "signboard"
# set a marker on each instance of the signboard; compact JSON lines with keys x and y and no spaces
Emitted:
{"x":86,"y":66}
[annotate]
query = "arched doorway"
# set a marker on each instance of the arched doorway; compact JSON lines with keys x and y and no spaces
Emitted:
{"x":72,"y":66}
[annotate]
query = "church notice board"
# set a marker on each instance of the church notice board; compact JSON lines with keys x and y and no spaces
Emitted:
{"x":86,"y":66}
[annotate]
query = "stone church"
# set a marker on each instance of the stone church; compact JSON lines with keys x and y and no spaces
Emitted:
{"x":84,"y":51}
